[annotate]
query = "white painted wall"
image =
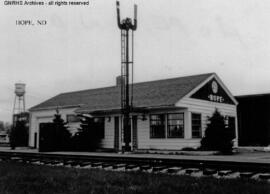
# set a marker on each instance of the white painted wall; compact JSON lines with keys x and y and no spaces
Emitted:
{"x":145,"y":142}
{"x":206,"y":109}
{"x":108,"y":141}
{"x":187,"y":106}
{"x":44,"y":116}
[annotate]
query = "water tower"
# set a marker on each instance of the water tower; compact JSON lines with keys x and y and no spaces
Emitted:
{"x":19,"y":101}
{"x":20,"y":118}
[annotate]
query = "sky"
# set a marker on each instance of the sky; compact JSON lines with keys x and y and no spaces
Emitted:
{"x":79,"y":48}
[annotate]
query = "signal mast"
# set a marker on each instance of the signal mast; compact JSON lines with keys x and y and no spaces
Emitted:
{"x":126,"y":26}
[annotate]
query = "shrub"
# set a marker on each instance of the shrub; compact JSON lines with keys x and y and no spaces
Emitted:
{"x":218,"y":136}
{"x":89,"y":135}
{"x":63,"y":135}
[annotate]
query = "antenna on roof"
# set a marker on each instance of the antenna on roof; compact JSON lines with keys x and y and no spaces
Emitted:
{"x":126,"y":25}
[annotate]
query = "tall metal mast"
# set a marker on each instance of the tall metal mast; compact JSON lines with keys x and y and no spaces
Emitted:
{"x":125,"y":26}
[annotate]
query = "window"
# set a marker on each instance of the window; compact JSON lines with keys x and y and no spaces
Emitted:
{"x":175,"y":125}
{"x":230,"y":125}
{"x":72,"y":119}
{"x":99,"y":124}
{"x":229,"y":122}
{"x":157,"y":126}
{"x":196,"y":125}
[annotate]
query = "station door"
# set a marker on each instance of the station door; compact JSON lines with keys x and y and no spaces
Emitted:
{"x":47,"y":137}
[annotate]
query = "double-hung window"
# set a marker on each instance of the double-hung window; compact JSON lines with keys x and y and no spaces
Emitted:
{"x":175,"y":127}
{"x":157,"y":126}
{"x":99,"y":123}
{"x":196,"y":125}
{"x":230,"y":125}
{"x":72,"y":119}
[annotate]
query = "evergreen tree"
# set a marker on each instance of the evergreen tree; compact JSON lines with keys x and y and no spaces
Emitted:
{"x":12,"y":137}
{"x":19,"y":134}
{"x":2,"y":127}
{"x":217,"y":136}
{"x":88,"y":136}
{"x":62,"y":134}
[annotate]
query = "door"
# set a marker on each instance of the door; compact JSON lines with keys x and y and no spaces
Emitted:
{"x":47,"y":137}
{"x":35,"y":140}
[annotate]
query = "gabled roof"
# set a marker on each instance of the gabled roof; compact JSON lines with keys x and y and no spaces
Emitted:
{"x":253,"y":95}
{"x":160,"y":93}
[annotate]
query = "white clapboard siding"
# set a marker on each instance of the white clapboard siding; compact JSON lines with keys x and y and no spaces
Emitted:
{"x":44,"y":116}
{"x":108,"y":141}
{"x":145,"y":142}
{"x":206,"y":109}
{"x":188,"y":106}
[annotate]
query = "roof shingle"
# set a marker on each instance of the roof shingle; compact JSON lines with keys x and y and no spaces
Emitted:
{"x":146,"y":94}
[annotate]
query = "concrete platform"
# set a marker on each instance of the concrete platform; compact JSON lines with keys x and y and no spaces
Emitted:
{"x":244,"y":157}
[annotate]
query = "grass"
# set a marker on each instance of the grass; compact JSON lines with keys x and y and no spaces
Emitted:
{"x":26,"y":178}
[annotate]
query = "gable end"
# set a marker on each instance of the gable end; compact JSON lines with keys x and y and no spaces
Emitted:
{"x":214,"y":92}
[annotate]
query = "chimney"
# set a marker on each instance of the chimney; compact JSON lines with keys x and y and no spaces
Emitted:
{"x":119,"y":80}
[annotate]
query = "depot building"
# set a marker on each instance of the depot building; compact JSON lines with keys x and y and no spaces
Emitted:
{"x":173,"y":112}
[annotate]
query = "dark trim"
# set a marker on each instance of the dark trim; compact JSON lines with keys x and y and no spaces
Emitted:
{"x":116,"y":132}
{"x":192,"y":125}
{"x":167,"y":127}
{"x":164,"y":124}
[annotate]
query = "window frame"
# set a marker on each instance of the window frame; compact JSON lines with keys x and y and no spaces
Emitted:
{"x":229,"y":120}
{"x":169,"y":125}
{"x":73,"y":115}
{"x":104,"y":125}
{"x":151,"y":125}
{"x":200,"y":136}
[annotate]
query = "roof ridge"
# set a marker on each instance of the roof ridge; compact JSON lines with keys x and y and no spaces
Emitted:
{"x":137,"y":83}
{"x":78,"y":91}
{"x":175,"y":78}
